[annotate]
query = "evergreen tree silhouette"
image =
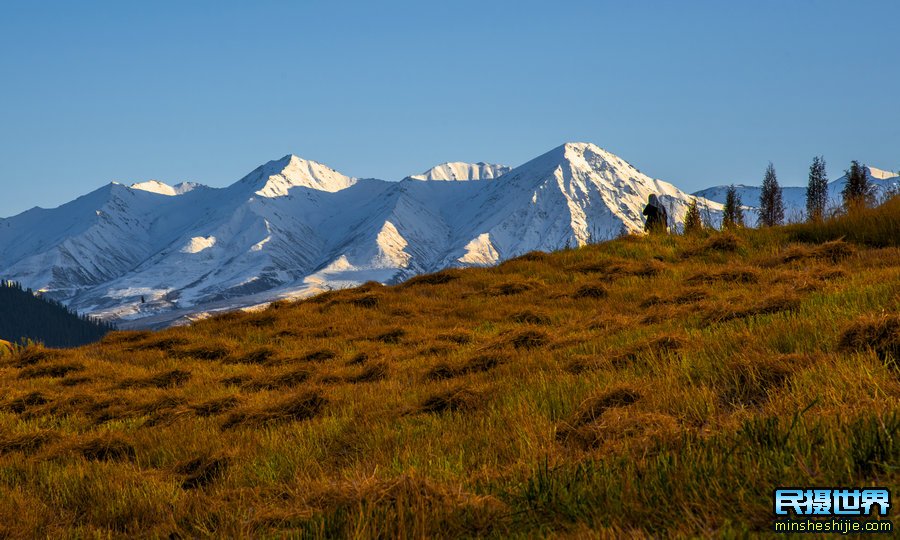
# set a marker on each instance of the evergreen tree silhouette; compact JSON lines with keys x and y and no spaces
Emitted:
{"x":733,"y":214}
{"x":857,"y":192}
{"x":692,"y":221}
{"x":26,"y":317}
{"x":771,"y":206}
{"x":817,"y":190}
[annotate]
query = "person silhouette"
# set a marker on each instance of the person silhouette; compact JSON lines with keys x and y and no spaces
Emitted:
{"x":657,"y":216}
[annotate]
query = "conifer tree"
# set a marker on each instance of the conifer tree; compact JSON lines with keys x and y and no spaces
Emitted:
{"x":857,"y":192}
{"x":24,"y":316}
{"x":733,"y":215}
{"x":692,"y":222}
{"x":771,"y":206}
{"x":816,"y":190}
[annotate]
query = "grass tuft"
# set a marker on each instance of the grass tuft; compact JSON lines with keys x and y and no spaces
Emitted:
{"x":610,"y":270}
{"x":27,"y":443}
{"x":578,"y":428}
{"x":371,"y":373}
{"x":689,"y":296}
{"x":530,"y":339}
{"x":365,"y":301}
{"x":729,"y":275}
{"x":438,"y":278}
{"x":532,"y":256}
{"x":296,"y":408}
{"x":105,"y":448}
{"x":23,"y":403}
{"x":205,"y":352}
{"x":32,"y":355}
{"x":727,"y":242}
{"x":201,"y":471}
{"x":165,"y":344}
{"x":166,"y":379}
{"x":530,"y":317}
{"x":591,"y":291}
{"x":358,"y":359}
{"x":476,"y":364}
{"x":879,"y":334}
{"x":392,"y":336}
{"x":457,"y":399}
{"x":460,"y":338}
{"x":50,"y":370}
{"x":288,"y":379}
{"x":752,"y":382}
{"x":511,"y":288}
{"x":216,"y":406}
{"x":261,"y":355}
{"x":775,"y":303}
{"x":655,"y":347}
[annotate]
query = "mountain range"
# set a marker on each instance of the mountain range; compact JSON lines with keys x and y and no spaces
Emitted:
{"x":152,"y":255}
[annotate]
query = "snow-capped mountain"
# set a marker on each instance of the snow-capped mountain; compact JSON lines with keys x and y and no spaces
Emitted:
{"x":457,"y":171}
{"x":150,"y":254}
{"x":794,"y":197}
{"x":155,"y":186}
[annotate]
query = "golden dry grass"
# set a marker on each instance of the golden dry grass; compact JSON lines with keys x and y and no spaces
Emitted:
{"x":643,"y":387}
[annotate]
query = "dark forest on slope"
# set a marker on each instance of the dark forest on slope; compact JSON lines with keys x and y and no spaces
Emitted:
{"x":24,"y":316}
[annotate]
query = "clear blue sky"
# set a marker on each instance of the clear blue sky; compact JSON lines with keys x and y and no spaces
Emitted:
{"x":696,"y":93}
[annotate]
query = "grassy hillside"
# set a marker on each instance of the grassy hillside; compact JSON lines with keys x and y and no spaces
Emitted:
{"x":645,"y":386}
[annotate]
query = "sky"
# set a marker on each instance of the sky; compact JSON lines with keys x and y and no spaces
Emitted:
{"x":695,"y":93}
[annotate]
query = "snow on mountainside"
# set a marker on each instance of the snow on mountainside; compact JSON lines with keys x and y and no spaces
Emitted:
{"x":276,"y":178}
{"x":155,"y":186}
{"x":879,"y":174}
{"x":457,"y":171}
{"x":150,"y":254}
{"x":794,"y":197}
{"x":573,"y":195}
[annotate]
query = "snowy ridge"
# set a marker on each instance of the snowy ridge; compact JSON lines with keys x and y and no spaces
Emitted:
{"x":879,"y":174}
{"x":161,"y":188}
{"x":276,"y":178}
{"x":294,"y":227}
{"x":456,"y":171}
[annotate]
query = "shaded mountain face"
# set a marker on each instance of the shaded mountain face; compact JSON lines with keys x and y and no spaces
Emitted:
{"x":794,"y":197}
{"x":151,"y":254}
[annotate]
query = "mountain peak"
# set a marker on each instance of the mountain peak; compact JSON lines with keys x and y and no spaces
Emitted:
{"x":457,"y":171}
{"x":161,"y":188}
{"x":582,"y":156}
{"x":277,"y":177}
{"x":155,"y":186}
{"x":581,"y":146}
{"x":880,"y":174}
{"x":593,"y":153}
